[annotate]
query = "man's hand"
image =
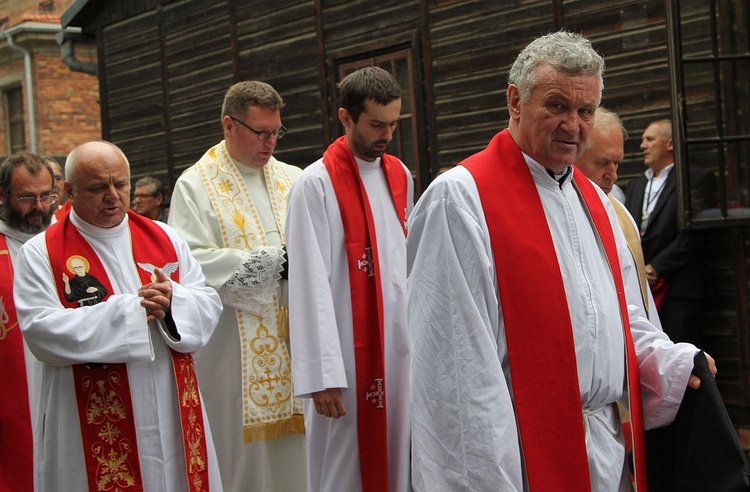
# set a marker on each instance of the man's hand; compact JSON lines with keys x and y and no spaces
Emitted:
{"x":694,"y":382}
{"x":157,"y":296}
{"x":329,"y":403}
{"x":651,"y":275}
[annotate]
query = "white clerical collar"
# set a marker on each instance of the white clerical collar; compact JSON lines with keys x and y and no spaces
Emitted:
{"x":19,"y":236}
{"x":96,"y":231}
{"x":367,"y":166}
{"x":662,"y":174}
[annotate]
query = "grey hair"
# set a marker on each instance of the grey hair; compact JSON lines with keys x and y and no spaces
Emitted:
{"x":666,"y":127}
{"x":250,"y":93}
{"x":608,"y":118}
{"x":566,"y":52}
{"x":157,"y":187}
{"x":71,"y":173}
{"x":605,"y":118}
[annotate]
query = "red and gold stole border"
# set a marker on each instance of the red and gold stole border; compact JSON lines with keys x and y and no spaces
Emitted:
{"x":103,"y":390}
{"x":367,"y":302}
{"x":17,"y":449}
{"x":105,"y":407}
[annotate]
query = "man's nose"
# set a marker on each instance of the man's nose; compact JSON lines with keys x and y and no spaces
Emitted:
{"x":111,"y":192}
{"x":572,"y":122}
{"x":611,"y":171}
{"x":41,"y":205}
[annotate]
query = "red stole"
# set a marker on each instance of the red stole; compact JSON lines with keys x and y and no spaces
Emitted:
{"x":105,"y":407}
{"x":17,"y":444}
{"x":63,"y":211}
{"x":541,"y":350}
{"x":367,"y":302}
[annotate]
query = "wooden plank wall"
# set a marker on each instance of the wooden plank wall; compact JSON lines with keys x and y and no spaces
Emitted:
{"x":280,"y":47}
{"x":473,"y":45}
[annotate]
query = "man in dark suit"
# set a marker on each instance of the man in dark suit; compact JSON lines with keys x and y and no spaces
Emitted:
{"x":673,"y":257}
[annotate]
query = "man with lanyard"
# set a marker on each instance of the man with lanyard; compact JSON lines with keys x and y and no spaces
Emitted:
{"x":347,"y":296}
{"x":231,"y":207}
{"x":26,"y":199}
{"x":525,"y":319}
{"x":120,"y":407}
{"x":673,"y":256}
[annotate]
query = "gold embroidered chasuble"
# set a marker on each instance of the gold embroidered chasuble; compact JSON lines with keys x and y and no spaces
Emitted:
{"x":270,"y":410}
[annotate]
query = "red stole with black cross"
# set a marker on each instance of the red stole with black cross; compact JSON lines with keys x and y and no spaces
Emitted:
{"x":367,"y":301}
{"x":105,"y":407}
{"x":541,"y":350}
{"x":17,"y":442}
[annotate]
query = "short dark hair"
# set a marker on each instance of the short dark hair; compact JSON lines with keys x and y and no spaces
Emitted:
{"x":33,"y":163}
{"x":367,"y":83}
{"x":157,"y":187}
{"x":250,"y":93}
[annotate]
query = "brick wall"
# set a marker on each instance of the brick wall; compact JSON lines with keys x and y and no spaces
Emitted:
{"x":67,"y":104}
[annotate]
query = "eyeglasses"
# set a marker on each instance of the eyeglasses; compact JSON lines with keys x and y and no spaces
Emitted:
{"x":263,"y":135}
{"x":45,"y":199}
{"x":143,"y":196}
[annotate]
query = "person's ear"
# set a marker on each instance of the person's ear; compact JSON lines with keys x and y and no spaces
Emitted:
{"x":514,"y":102}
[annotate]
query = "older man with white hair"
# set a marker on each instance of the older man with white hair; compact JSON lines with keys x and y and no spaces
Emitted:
{"x":525,"y":324}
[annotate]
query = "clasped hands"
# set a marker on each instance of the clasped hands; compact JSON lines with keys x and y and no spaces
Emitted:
{"x":157,"y":296}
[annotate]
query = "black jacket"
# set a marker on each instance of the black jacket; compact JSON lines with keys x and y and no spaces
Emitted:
{"x":675,"y":254}
{"x":699,"y":451}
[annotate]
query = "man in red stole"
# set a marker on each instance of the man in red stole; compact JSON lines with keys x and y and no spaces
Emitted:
{"x":26,"y":195}
{"x":525,"y":323}
{"x":119,"y":405}
{"x":347,"y":296}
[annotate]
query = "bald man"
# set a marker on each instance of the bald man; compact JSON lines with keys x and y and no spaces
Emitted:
{"x":118,"y":386}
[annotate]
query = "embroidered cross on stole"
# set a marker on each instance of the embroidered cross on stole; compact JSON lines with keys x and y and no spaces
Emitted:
{"x":270,"y":410}
{"x":367,"y":301}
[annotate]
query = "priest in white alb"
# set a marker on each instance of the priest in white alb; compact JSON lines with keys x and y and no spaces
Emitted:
{"x":526,"y":321}
{"x":120,"y":407}
{"x":347,"y":296}
{"x":231,"y":207}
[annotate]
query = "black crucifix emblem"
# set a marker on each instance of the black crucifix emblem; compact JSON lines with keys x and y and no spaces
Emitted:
{"x":365,"y":262}
{"x":376,"y":393}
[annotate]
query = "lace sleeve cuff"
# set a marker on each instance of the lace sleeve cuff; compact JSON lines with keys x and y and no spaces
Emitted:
{"x":253,"y":285}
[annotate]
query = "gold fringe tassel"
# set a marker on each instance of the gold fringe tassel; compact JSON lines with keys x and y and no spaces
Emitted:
{"x":274,"y":430}
{"x":282,"y":323}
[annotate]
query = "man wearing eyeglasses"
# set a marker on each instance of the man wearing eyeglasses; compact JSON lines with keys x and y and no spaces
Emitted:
{"x":26,"y":196}
{"x":231,"y":208}
{"x":148,"y":198}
